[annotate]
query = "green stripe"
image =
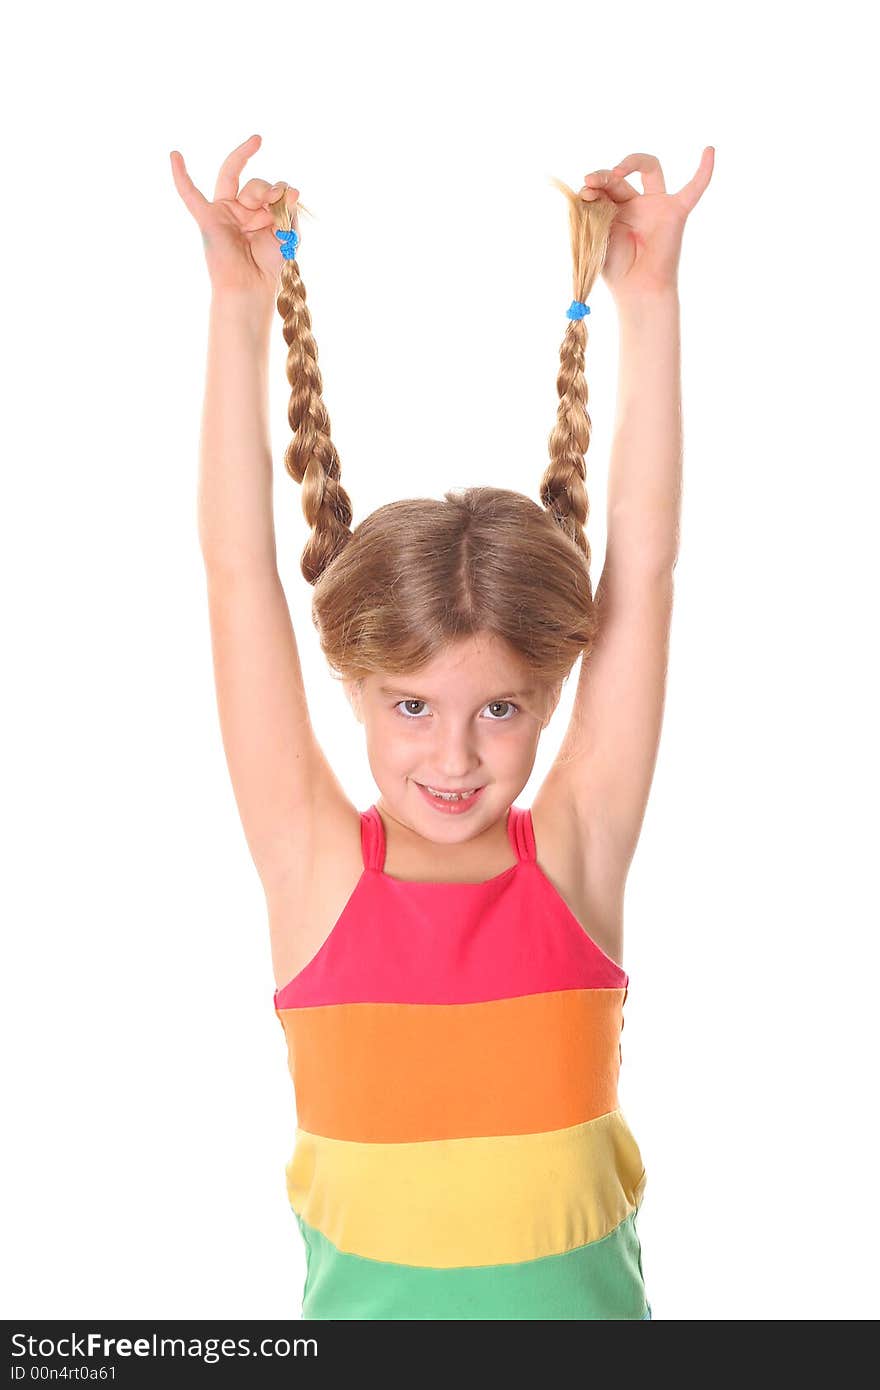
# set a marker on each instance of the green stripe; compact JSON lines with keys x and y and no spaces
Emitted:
{"x":600,"y":1280}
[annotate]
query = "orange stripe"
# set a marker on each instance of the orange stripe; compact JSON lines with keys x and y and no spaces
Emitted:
{"x":398,"y":1073}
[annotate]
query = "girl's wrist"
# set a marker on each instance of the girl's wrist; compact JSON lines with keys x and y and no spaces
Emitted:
{"x":243,"y":307}
{"x":636,"y":301}
{"x":256,"y":303}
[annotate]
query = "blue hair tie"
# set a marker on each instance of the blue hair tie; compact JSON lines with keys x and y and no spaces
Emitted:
{"x":576,"y":309}
{"x":289,"y":242}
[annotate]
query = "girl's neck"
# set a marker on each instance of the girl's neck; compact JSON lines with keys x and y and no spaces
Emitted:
{"x":410,"y":855}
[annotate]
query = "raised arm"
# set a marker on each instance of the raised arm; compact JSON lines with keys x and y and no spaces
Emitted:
{"x":608,"y":756}
{"x":276,"y":766}
{"x":278,"y":771}
{"x":607,"y":759}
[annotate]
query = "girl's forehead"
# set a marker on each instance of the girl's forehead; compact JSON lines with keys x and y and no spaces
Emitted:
{"x":470,"y":658}
{"x":461,"y":690}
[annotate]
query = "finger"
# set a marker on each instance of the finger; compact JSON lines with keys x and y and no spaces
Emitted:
{"x":266,"y":214}
{"x":648,"y":165}
{"x":692,"y":192}
{"x":257,"y":192}
{"x":195,"y":201}
{"x":260,"y":220}
{"x":594,"y":184}
{"x":603,"y":181}
{"x":230,"y":169}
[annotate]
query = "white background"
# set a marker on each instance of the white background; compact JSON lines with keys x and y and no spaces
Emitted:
{"x":149,"y":1108}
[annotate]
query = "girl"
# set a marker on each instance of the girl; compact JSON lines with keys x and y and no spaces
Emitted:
{"x":448,"y":963}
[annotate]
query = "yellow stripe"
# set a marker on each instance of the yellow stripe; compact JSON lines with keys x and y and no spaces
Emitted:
{"x":474,"y":1201}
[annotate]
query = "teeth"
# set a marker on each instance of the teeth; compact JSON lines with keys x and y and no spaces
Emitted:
{"x":452,"y":796}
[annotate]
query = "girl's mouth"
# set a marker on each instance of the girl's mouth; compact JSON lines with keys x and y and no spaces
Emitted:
{"x":450,"y":803}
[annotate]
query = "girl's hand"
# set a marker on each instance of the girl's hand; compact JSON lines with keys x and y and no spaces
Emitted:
{"x":238,"y":228}
{"x":645,"y":240}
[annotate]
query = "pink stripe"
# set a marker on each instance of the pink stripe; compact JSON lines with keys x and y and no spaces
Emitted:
{"x":452,"y":943}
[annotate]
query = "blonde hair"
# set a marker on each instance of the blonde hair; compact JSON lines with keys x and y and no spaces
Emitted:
{"x":421,"y":573}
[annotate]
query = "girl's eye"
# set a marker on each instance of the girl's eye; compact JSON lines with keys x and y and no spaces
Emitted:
{"x":409,"y":714}
{"x":493,"y":705}
{"x":506,"y":704}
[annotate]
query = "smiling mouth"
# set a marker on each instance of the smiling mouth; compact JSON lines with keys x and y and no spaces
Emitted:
{"x":446,"y":795}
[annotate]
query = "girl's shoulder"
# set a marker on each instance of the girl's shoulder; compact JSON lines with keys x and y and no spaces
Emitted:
{"x":325,"y":867}
{"x":588,"y":875}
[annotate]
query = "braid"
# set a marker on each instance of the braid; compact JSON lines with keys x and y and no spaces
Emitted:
{"x":563,"y":489}
{"x":311,"y":457}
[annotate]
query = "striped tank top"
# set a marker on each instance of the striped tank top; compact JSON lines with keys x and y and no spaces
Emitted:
{"x":460,"y":1150}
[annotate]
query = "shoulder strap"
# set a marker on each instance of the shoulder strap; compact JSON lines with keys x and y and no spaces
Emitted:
{"x":521,"y":832}
{"x":372,"y":839}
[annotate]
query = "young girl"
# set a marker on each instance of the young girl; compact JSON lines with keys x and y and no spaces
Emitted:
{"x":447,"y":962}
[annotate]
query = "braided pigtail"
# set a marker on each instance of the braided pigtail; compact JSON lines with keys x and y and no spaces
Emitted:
{"x":310,"y":457}
{"x":563,"y":490}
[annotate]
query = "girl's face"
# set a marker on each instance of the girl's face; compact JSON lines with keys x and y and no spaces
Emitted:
{"x":470,"y":719}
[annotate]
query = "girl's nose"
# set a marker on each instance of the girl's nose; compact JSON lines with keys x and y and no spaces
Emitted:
{"x":456,"y":760}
